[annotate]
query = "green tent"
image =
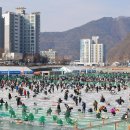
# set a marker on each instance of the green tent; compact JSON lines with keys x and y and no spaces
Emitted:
{"x":55,"y":117}
{"x":31,"y":117}
{"x":42,"y":119}
{"x":59,"y":122}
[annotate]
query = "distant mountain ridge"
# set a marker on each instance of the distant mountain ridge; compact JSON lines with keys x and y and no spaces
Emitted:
{"x":121,"y":52}
{"x":111,"y":32}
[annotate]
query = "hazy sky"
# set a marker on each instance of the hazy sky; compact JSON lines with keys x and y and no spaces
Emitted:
{"x":61,"y":15}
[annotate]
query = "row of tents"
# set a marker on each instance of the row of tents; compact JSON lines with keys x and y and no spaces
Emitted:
{"x":76,"y":69}
{"x":9,"y":70}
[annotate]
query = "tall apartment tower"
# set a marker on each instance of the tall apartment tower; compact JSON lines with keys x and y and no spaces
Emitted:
{"x":91,"y":52}
{"x":11,"y":32}
{"x":22,"y":32}
{"x":1,"y":30}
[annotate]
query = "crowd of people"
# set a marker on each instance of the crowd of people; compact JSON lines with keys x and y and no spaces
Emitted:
{"x":73,"y":87}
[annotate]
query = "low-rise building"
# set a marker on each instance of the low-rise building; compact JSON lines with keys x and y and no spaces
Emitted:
{"x":50,"y":54}
{"x":12,"y":56}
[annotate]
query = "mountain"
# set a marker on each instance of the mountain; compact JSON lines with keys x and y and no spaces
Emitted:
{"x":121,"y":52}
{"x":110,"y":30}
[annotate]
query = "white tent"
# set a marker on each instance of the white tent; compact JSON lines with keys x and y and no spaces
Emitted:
{"x":65,"y":70}
{"x":115,"y":64}
{"x":68,"y":69}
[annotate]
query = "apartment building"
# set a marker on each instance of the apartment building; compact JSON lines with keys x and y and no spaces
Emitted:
{"x":22,"y":32}
{"x":91,"y":51}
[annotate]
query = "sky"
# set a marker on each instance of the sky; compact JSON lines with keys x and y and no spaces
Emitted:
{"x":62,"y":15}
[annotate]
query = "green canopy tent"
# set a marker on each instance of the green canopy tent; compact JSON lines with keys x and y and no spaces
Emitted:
{"x":42,"y":119}
{"x":59,"y":122}
{"x":31,"y":117}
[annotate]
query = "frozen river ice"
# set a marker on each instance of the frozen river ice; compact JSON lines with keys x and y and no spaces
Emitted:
{"x":6,"y":125}
{"x":83,"y":120}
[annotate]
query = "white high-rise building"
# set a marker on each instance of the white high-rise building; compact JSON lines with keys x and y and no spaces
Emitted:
{"x":91,"y":52}
{"x":22,"y":32}
{"x":11,"y":32}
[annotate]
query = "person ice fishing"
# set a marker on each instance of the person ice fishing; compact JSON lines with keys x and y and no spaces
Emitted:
{"x":113,"y":111}
{"x":12,"y":113}
{"x":102,"y":99}
{"x":58,"y":109}
{"x":83,"y":107}
{"x":118,"y":87}
{"x":17,"y":88}
{"x":120,"y":101}
{"x":24,"y":109}
{"x":86,"y":89}
{"x":25,"y":93}
{"x":102,"y":108}
{"x":124,"y":116}
{"x":97,"y":89}
{"x":18,"y":99}
{"x":12,"y":87}
{"x":68,"y":111}
{"x":28,"y":94}
{"x":9,"y":96}
{"x":6,"y":106}
{"x":98,"y":115}
{"x":66,"y":95}
{"x":20,"y":91}
{"x":76,"y":101}
{"x":95,"y":104}
{"x":49,"y":90}
{"x":80,"y":99}
{"x":2,"y":101}
{"x":49,"y":111}
{"x":45,"y":92}
{"x":57,"y":87}
{"x":59,"y":100}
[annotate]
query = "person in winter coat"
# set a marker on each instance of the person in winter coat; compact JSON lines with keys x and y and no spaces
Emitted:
{"x":28,"y":94}
{"x":102,"y":99}
{"x":66,"y":95}
{"x":95,"y":105}
{"x":120,"y":101}
{"x":49,"y":111}
{"x":25,"y":93}
{"x":80,"y":99}
{"x":68,"y":111}
{"x":83,"y":107}
{"x":17,"y":88}
{"x":18,"y":101}
{"x":2,"y":101}
{"x":113,"y":111}
{"x":58,"y":108}
{"x":59,"y":100}
{"x":6,"y":106}
{"x":9,"y":96}
{"x":102,"y":108}
{"x":124,"y":116}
